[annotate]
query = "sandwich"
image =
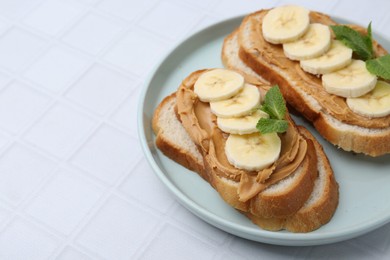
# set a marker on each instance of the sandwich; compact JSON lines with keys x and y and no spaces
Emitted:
{"x":235,"y":132}
{"x":334,"y":75}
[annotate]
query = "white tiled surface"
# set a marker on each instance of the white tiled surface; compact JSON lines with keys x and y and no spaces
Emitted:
{"x":73,"y":181}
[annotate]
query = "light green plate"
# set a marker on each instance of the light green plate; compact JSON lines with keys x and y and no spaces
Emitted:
{"x":364,"y":182}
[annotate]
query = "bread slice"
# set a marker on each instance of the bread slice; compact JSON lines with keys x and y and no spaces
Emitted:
{"x":269,"y":203}
{"x":173,"y":140}
{"x":329,"y":114}
{"x":231,"y":60}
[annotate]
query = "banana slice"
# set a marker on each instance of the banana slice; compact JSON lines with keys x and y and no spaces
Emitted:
{"x":241,"y":125}
{"x":218,"y":84}
{"x":373,"y":104}
{"x":315,"y":42}
{"x":252,"y":152}
{"x":285,"y":24}
{"x":337,"y":57}
{"x":241,"y":104}
{"x":352,"y":81}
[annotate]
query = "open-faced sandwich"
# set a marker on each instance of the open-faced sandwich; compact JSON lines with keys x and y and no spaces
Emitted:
{"x":240,"y":138}
{"x":334,"y":75}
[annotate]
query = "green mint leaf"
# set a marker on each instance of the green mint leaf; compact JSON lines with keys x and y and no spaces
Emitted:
{"x":380,"y":66}
{"x":274,"y":103}
{"x":268,"y":125}
{"x":275,"y":107}
{"x":360,"y":44}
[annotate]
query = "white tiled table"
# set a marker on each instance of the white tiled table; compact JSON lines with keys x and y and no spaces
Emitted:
{"x":74,"y":183}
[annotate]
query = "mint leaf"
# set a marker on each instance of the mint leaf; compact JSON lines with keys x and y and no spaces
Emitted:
{"x":274,"y":103}
{"x":275,"y":107}
{"x":380,"y":66}
{"x":268,"y":125}
{"x":360,"y":44}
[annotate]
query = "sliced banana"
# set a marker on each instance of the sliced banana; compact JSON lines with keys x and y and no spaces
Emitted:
{"x":252,"y":152}
{"x":241,"y":125}
{"x":240,"y":104}
{"x":285,"y":24}
{"x":315,"y":42}
{"x":375,"y":103}
{"x":337,"y":57}
{"x":352,"y":81}
{"x":218,"y":84}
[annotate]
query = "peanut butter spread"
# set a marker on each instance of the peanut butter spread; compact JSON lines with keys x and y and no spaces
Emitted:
{"x":310,"y":84}
{"x":200,"y":123}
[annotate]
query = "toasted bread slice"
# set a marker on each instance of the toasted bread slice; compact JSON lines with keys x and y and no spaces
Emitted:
{"x":265,"y":199}
{"x":231,"y":60}
{"x":329,"y":114}
{"x":174,"y":142}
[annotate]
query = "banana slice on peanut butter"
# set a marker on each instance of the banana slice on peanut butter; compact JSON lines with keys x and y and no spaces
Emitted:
{"x":253,"y":152}
{"x":376,"y":103}
{"x":285,"y":24}
{"x":218,"y":84}
{"x":239,"y":105}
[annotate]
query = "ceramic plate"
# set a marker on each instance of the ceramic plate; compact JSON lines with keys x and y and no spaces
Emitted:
{"x":364,"y":182}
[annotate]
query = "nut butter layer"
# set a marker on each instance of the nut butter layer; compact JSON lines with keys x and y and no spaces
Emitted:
{"x":248,"y":191}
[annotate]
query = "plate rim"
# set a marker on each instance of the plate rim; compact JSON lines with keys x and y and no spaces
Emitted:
{"x":259,"y":235}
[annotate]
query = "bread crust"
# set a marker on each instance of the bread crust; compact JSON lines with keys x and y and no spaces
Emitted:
{"x":371,"y":138}
{"x":170,"y":149}
{"x":313,"y":216}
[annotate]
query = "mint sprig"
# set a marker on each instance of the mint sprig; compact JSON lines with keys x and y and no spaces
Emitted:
{"x":380,"y":66}
{"x":275,"y":106}
{"x":362,"y":45}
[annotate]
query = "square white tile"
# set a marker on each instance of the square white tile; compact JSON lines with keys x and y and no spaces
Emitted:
{"x":204,"y":23}
{"x":139,"y":178}
{"x":4,"y":79}
{"x":25,"y":103}
{"x":201,"y":3}
{"x":60,"y":130}
{"x":5,"y":215}
{"x":377,"y":240}
{"x":252,"y":250}
{"x":174,"y":243}
{"x":126,"y":114}
{"x":4,"y":140}
{"x":137,"y":52}
{"x":18,"y":180}
{"x":4,"y":26}
{"x":65,"y":201}
{"x":341,"y":251}
{"x":194,"y":224}
{"x":93,"y":33}
{"x":21,"y":239}
{"x":61,"y":15}
{"x":321,"y":6}
{"x":100,"y":89}
{"x":14,"y":9}
{"x":57,"y":68}
{"x":360,"y":16}
{"x":223,"y":9}
{"x":173,"y":26}
{"x":125,"y":9}
{"x":70,"y":253}
{"x":18,"y":48}
{"x":117,"y":231}
{"x":108,"y":154}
